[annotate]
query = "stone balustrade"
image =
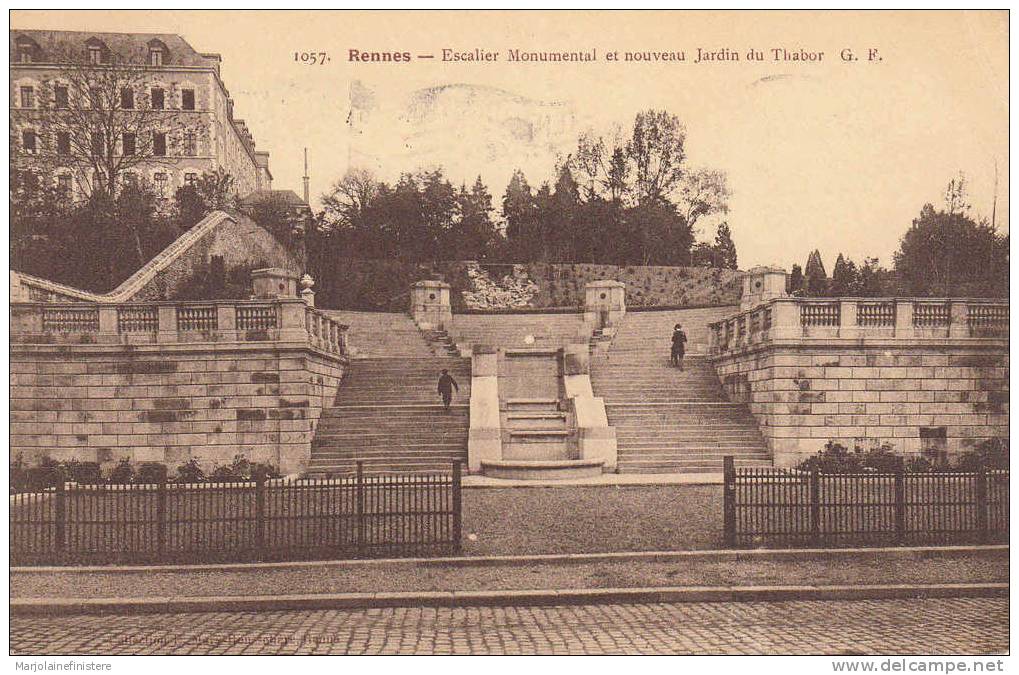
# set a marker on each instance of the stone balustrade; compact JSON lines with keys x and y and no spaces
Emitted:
{"x":856,"y":319}
{"x":158,"y":323}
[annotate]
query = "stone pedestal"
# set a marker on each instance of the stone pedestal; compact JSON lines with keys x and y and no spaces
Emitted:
{"x":430,"y":305}
{"x":604,"y":303}
{"x":484,"y":440}
{"x":761,"y":284}
{"x":273,"y":282}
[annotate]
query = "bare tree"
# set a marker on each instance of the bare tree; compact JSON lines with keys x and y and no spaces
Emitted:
{"x":703,"y":192}
{"x":105,"y":123}
{"x":349,"y":198}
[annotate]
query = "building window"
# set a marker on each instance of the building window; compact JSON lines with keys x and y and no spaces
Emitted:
{"x":190,"y":144}
{"x":155,"y":57}
{"x":25,"y":53}
{"x":63,"y":143}
{"x":29,"y":142}
{"x":157,"y":98}
{"x":187,"y":99}
{"x":95,"y":98}
{"x":160,"y":181}
{"x":98,"y":144}
{"x":28,"y":97}
{"x":95,"y":54}
{"x":60,"y":96}
{"x":190,"y":179}
{"x":129,"y":143}
{"x":64,"y":185}
{"x":158,"y":143}
{"x":127,"y":98}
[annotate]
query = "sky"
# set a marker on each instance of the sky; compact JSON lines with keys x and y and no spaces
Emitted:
{"x":834,"y":155}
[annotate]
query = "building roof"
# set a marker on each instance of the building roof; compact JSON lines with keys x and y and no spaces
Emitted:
{"x":68,"y":46}
{"x":289,"y":197}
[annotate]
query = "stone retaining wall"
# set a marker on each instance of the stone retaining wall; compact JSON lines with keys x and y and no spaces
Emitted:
{"x":102,"y":405}
{"x":893,"y":379}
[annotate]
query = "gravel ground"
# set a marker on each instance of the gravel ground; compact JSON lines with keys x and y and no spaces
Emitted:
{"x":817,"y":569}
{"x":524,"y":521}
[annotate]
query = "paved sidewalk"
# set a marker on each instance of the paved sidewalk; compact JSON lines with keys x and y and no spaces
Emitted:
{"x":934,"y":626}
{"x":604,"y":479}
{"x":723,"y":569}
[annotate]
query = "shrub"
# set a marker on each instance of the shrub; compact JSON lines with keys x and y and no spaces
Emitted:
{"x":267,"y":470}
{"x":989,"y":454}
{"x":84,"y":473}
{"x":225,"y":473}
{"x":151,"y":472}
{"x":834,"y":458}
{"x":918,"y":465}
{"x":190,"y":472}
{"x":123,"y":473}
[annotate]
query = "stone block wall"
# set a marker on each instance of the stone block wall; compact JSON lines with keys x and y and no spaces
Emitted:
{"x":868,"y":395}
{"x":169,"y":404}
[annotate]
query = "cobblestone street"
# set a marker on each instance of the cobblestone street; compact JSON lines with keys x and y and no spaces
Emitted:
{"x":975,"y":626}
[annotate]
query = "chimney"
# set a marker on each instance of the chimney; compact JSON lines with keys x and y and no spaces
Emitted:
{"x":307,"y":180}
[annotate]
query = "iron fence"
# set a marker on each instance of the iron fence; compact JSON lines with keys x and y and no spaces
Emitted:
{"x":357,"y":516}
{"x":764,"y":507}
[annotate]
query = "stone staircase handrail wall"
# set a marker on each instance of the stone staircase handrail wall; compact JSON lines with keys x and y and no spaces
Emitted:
{"x":854,"y":319}
{"x":133,"y":284}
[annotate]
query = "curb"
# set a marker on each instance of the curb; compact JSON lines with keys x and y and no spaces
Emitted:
{"x":675,"y":594}
{"x":892,"y":552}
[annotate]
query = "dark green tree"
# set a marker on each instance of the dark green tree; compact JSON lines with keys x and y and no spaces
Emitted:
{"x":725,"y":248}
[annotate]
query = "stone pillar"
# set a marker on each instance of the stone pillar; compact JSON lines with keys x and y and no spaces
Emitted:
{"x":19,"y":292}
{"x":958,"y":320}
{"x":785,"y":319}
{"x":848,"y":326}
{"x":604,"y":304}
{"x":761,"y":284}
{"x":273,"y":282}
{"x":108,"y":319}
{"x":484,"y":440}
{"x":430,"y":305}
{"x":904,"y":320}
{"x":167,"y":323}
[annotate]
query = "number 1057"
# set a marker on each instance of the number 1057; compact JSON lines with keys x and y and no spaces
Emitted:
{"x":311,"y":58}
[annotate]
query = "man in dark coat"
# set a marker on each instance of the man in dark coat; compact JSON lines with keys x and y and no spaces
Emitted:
{"x":678,"y":346}
{"x":446,"y":386}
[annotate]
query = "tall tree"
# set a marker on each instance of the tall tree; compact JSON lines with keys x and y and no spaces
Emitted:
{"x":725,"y":248}
{"x":795,"y":283}
{"x":844,"y":278}
{"x":657,"y":149}
{"x":815,"y":278}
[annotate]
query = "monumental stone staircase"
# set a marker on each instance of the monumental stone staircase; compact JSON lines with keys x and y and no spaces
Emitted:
{"x":666,"y":420}
{"x":387,"y":412}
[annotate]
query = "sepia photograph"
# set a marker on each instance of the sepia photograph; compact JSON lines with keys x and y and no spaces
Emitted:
{"x":509,"y":332}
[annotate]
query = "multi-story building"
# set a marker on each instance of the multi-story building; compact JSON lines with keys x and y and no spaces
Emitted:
{"x":174,"y":114}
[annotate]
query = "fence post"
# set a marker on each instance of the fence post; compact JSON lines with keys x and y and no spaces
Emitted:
{"x":260,"y":513}
{"x":60,"y":514}
{"x":729,"y":501}
{"x":900,"y":503}
{"x":815,"y":505}
{"x":457,"y":507}
{"x":360,"y":509}
{"x":161,"y":518}
{"x":981,"y":504}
